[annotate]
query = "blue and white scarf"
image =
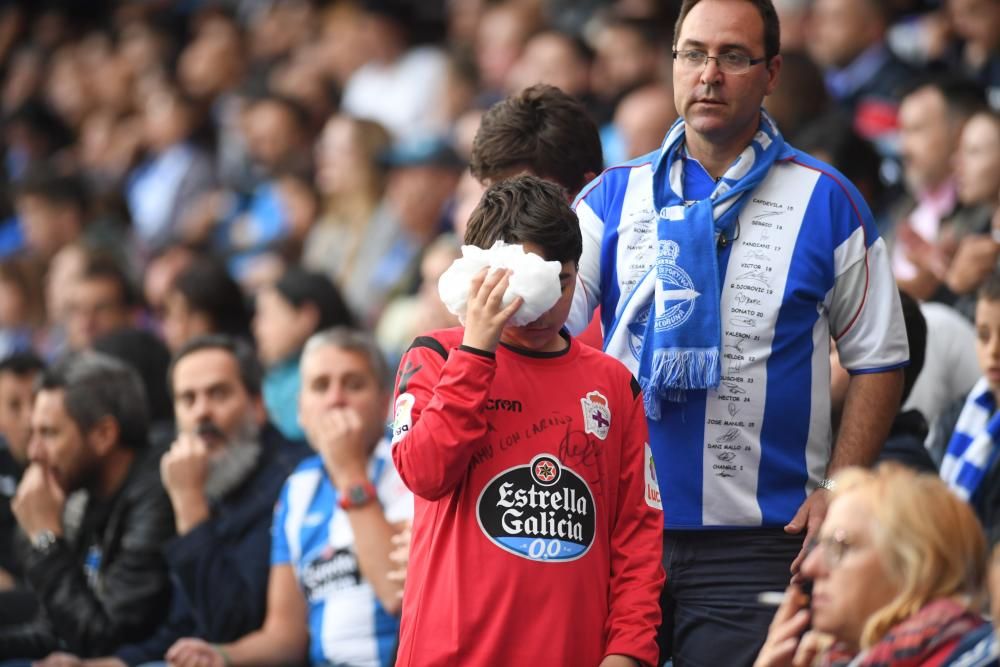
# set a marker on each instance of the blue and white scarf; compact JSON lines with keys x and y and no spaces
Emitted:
{"x":973,"y":447}
{"x":683,"y":334}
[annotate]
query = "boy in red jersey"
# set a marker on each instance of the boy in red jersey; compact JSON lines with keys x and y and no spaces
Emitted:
{"x":537,"y":525}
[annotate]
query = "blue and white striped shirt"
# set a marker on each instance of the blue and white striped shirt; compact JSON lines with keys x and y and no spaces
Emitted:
{"x":806,"y":264}
{"x":347,"y":624}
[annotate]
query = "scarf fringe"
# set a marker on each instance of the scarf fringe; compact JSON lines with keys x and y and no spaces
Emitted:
{"x":674,"y":371}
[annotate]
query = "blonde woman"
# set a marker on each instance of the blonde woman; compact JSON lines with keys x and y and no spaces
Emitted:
{"x":898,"y":575}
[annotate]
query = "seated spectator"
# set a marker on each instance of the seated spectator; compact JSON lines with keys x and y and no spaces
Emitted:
{"x":105,"y":583}
{"x":204,"y":299}
{"x":898,"y":571}
{"x":17,"y":381}
{"x":22,"y":307}
{"x":981,"y":647}
{"x":329,"y":599}
{"x":977,"y":181}
{"x":288,"y":313}
{"x":174,"y":172}
{"x":970,"y":465}
{"x":353,"y":230}
{"x":52,"y":209}
{"x":102,"y":300}
{"x":148,"y":357}
{"x":950,"y":365}
{"x":407,"y":317}
{"x":222,"y":474}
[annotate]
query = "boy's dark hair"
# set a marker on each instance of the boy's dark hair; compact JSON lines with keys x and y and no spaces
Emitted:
{"x":543,"y":130}
{"x":768,"y":14}
{"x":45,"y":182}
{"x":990,"y":289}
{"x":916,"y":334}
{"x":22,"y":364}
{"x":527,"y":209}
{"x":209,"y":289}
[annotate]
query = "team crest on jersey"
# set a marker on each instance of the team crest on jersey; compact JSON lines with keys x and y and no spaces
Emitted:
{"x":542,"y":511}
{"x":652,"y":493}
{"x":675,"y":293}
{"x":402,"y":418}
{"x":596,"y":414}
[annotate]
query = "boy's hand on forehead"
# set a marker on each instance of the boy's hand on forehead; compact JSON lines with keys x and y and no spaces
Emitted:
{"x":485,"y":315}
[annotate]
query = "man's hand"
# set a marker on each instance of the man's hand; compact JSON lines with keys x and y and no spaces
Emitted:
{"x":618,"y":661}
{"x":785,"y":645}
{"x":340,"y":440}
{"x":39,"y":502}
{"x":485,"y":316}
{"x":194,"y":653}
{"x":974,"y":260}
{"x":184,"y":468}
{"x":400,"y":556}
{"x":809,"y":517}
{"x":183,"y":471}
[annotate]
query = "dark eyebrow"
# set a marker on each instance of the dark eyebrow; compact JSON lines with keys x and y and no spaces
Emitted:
{"x":695,"y":44}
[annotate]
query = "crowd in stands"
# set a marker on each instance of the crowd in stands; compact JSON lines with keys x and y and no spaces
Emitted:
{"x":222,"y":226}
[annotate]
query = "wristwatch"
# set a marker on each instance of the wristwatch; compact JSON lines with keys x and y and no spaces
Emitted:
{"x":43,"y":542}
{"x":827,"y":483}
{"x":357,"y":495}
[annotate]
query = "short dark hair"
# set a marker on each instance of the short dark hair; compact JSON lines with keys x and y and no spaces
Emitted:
{"x":527,"y":209}
{"x":96,"y":386}
{"x":772,"y":27}
{"x":916,"y":335}
{"x":246,"y":358}
{"x":299,"y":287}
{"x":22,"y":364}
{"x":963,"y":97}
{"x":103,"y":266}
{"x":210,"y":290}
{"x":45,"y":181}
{"x":541,"y":129}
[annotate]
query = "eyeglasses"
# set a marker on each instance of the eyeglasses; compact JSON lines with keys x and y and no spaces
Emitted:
{"x":834,"y":547}
{"x":730,"y":62}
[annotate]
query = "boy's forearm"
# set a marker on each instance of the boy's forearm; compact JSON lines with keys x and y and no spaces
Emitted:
{"x":449,"y":422}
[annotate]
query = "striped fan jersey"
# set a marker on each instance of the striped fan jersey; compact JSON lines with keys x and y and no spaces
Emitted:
{"x":805,"y":264}
{"x":347,"y":624}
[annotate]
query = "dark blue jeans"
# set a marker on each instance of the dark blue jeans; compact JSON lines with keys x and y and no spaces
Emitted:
{"x":711,"y":616}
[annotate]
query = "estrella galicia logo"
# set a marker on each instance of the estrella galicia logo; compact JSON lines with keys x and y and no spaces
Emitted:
{"x":541,"y":511}
{"x":675,"y":293}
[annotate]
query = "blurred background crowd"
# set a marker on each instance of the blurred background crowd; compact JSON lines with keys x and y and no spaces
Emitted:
{"x":171,"y":146}
{"x":269,"y":169}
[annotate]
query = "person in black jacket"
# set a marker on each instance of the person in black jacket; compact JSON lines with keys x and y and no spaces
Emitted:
{"x":223,"y":474}
{"x":101,"y":581}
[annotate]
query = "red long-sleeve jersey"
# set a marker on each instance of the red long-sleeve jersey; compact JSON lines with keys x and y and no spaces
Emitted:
{"x":537,"y":530}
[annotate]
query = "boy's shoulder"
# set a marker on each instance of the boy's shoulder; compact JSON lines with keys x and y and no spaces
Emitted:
{"x":439,"y":341}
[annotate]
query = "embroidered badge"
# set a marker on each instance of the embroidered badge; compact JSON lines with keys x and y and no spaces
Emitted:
{"x":596,"y":414}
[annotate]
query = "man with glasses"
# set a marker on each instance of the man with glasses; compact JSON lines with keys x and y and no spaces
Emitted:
{"x":723,"y":262}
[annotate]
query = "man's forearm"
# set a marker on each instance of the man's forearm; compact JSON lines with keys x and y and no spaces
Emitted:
{"x":873,"y":400}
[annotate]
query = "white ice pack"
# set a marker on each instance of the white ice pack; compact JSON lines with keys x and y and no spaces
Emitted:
{"x":533,"y":279}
